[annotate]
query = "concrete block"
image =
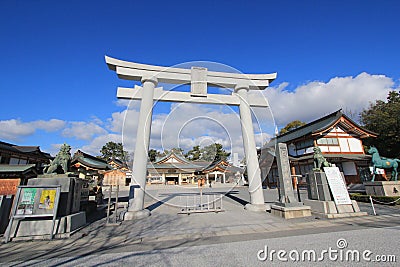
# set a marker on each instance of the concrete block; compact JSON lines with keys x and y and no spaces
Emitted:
{"x":317,"y":185}
{"x":35,"y":228}
{"x":134,"y":215}
{"x":70,"y":196}
{"x":345,"y":208}
{"x":328,"y":209}
{"x":355,"y":206}
{"x":383,"y":188}
{"x":258,"y":208}
{"x":291,"y":212}
{"x":321,"y":206}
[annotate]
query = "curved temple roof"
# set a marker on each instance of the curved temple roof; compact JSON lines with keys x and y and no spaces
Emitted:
{"x":320,"y":126}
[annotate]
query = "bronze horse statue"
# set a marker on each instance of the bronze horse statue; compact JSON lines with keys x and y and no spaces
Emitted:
{"x":384,"y":163}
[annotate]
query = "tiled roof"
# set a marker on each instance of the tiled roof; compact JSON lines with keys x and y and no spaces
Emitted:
{"x":16,"y":168}
{"x":172,"y":155}
{"x":30,"y":150}
{"x":321,"y":125}
{"x":90,"y":161}
{"x":224,"y":166}
{"x":176,"y":166}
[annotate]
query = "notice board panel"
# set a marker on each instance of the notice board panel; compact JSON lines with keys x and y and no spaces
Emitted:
{"x":33,"y":201}
{"x":337,"y":186}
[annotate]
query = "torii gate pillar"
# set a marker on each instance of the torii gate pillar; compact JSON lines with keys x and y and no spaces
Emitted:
{"x":253,"y":168}
{"x":136,"y":204}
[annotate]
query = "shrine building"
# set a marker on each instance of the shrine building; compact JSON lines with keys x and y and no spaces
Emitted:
{"x":174,"y":169}
{"x":338,"y":137}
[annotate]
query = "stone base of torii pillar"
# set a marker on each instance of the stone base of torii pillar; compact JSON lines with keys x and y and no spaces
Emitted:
{"x":258,"y":207}
{"x":133,"y":215}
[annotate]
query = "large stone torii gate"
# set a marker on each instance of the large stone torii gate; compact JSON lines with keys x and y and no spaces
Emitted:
{"x":199,"y":79}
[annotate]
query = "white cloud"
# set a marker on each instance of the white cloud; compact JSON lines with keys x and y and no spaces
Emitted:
{"x":315,"y":99}
{"x":123,"y":121}
{"x":83,"y":130}
{"x":49,"y":126}
{"x":97,"y":143}
{"x":15,"y":129}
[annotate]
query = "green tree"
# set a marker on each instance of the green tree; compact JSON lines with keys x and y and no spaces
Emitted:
{"x":383,"y":117}
{"x":291,"y":126}
{"x":153,"y":154}
{"x":214,"y":152}
{"x":194,"y":153}
{"x":112,"y":150}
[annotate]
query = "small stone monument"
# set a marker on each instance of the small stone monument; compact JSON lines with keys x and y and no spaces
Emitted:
{"x":327,"y":193}
{"x":317,"y":184}
{"x":287,"y":206}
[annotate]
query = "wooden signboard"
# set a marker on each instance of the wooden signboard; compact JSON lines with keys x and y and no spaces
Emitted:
{"x":114,"y":177}
{"x":9,"y":186}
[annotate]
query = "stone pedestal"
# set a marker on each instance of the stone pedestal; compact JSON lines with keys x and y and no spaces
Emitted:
{"x":291,"y":212}
{"x":328,"y":209}
{"x":383,"y":188}
{"x":70,"y":196}
{"x":258,"y":208}
{"x":133,"y":215}
{"x":38,"y":229}
{"x":287,"y":207}
{"x":317,"y":186}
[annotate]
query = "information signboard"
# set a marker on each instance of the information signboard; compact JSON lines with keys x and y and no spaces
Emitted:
{"x":337,"y":186}
{"x":35,"y":201}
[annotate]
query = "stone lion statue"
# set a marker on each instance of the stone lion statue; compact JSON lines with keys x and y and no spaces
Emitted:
{"x":62,"y":159}
{"x":319,"y":160}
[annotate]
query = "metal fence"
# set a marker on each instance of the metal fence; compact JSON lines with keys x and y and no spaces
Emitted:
{"x":202,"y":203}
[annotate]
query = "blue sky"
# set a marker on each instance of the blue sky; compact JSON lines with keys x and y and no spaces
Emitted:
{"x":56,"y":87}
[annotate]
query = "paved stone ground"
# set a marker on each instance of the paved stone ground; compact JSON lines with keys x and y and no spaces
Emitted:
{"x":166,"y":229}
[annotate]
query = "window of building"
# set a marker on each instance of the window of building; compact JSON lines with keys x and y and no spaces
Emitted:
{"x":4,"y":160}
{"x":328,"y":141}
{"x":304,"y":144}
{"x":14,"y":161}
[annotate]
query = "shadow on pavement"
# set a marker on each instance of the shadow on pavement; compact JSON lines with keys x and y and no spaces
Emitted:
{"x":169,"y":196}
{"x":97,"y":239}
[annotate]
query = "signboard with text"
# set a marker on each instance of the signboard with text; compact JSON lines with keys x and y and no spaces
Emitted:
{"x":34,"y":201}
{"x":37,"y":201}
{"x":337,"y":186}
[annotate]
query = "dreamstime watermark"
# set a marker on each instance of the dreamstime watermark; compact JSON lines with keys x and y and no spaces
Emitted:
{"x":339,"y":254}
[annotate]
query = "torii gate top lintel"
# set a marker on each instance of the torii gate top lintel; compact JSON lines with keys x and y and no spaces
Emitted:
{"x":197,"y":75}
